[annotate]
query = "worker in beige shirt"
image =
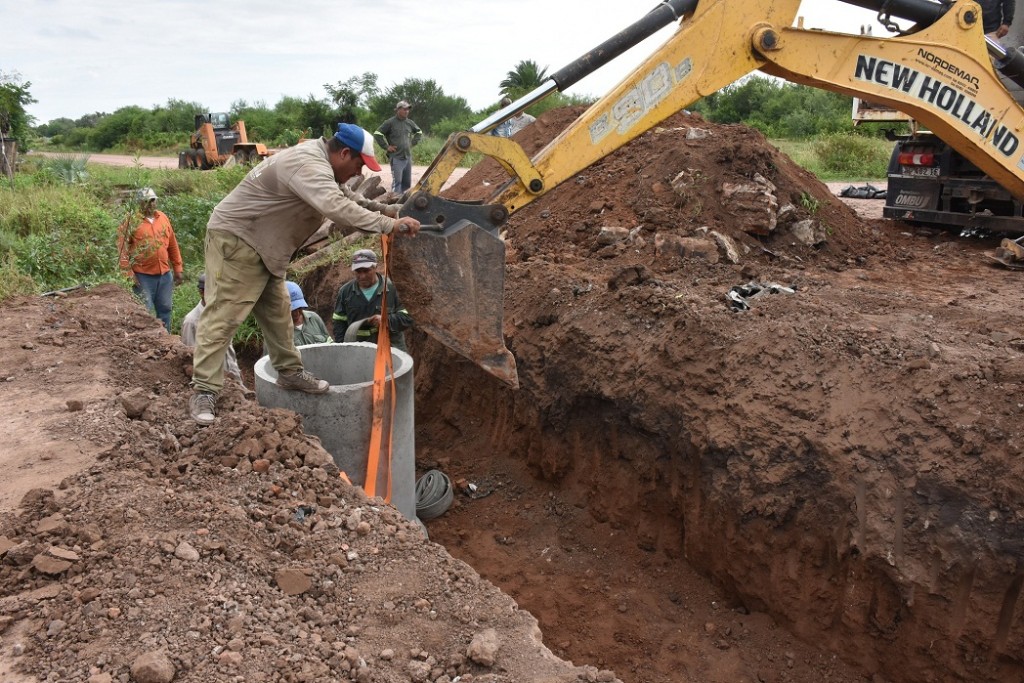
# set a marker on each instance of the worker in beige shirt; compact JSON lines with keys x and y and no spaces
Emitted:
{"x":250,"y":238}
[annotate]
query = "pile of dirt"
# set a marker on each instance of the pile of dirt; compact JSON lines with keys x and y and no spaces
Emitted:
{"x":230,"y":553}
{"x":684,"y":178}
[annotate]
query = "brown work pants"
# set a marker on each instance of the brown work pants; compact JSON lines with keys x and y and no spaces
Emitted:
{"x":237,"y":283}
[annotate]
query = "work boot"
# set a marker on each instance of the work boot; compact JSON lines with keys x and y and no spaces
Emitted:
{"x":202,"y":407}
{"x":300,"y":380}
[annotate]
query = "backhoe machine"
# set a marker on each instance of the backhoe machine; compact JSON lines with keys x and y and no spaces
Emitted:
{"x":942,"y":72}
{"x":216,"y":141}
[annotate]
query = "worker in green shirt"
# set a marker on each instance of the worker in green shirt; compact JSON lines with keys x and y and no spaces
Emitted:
{"x":398,"y":135}
{"x":309,"y":327}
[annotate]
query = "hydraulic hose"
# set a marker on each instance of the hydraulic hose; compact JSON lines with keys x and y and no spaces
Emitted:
{"x":1010,"y":63}
{"x":924,"y":12}
{"x":665,"y":13}
{"x":433,"y":494}
{"x":661,"y":16}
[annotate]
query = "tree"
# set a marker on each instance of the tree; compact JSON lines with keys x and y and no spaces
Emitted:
{"x":318,"y":116}
{"x":261,"y":123}
{"x":177,"y":116}
{"x":524,"y":77}
{"x":352,"y":96}
{"x":15,"y":122}
{"x":61,"y":126}
{"x":125,"y":127}
{"x":90,"y":120}
{"x":778,"y":109}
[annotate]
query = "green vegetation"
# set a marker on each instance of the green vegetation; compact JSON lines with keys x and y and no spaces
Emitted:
{"x":840,"y":157}
{"x":58,"y":223}
{"x":165,"y":129}
{"x":812,"y":126}
{"x":524,"y":77}
{"x":853,"y":156}
{"x":14,"y":97}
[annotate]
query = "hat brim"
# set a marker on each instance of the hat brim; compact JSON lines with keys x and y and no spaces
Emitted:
{"x":370,"y":162}
{"x":363,"y":264}
{"x":301,"y":303}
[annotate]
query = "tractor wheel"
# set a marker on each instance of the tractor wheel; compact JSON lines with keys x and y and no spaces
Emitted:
{"x":254,"y":157}
{"x":241,"y":156}
{"x":202,"y":163}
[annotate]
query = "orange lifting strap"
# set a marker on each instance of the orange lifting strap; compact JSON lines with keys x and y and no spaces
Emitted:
{"x":378,"y":462}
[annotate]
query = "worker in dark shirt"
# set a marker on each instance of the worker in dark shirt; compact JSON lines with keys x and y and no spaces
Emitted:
{"x":996,"y":16}
{"x":360,"y":299}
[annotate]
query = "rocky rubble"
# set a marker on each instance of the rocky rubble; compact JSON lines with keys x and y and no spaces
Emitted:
{"x":237,"y":553}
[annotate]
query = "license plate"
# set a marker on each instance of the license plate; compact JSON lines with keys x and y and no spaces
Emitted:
{"x":921,"y":171}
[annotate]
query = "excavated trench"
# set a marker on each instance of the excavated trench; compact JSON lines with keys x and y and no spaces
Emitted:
{"x":608,"y":529}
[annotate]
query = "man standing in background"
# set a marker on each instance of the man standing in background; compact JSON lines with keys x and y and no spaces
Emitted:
{"x":513,"y":125}
{"x":398,"y":135}
{"x":147,"y":249}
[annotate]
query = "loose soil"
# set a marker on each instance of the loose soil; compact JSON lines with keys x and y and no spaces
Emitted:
{"x":824,"y":487}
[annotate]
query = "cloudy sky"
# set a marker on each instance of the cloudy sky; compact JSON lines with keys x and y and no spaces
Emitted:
{"x":99,"y":55}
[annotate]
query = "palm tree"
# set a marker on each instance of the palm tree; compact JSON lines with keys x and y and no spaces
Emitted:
{"x":526,"y":76}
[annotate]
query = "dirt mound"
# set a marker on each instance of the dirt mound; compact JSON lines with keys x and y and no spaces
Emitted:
{"x":230,"y":553}
{"x":684,"y":177}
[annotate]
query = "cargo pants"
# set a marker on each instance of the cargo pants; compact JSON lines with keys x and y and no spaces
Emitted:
{"x":237,"y":283}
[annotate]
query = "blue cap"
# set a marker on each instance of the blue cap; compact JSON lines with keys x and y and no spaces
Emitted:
{"x":354,"y":137}
{"x":295,"y":292}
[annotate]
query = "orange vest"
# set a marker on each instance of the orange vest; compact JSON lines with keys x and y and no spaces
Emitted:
{"x":150,"y":249}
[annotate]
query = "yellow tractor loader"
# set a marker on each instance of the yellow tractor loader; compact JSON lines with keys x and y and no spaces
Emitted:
{"x":942,"y":72}
{"x":216,"y":142}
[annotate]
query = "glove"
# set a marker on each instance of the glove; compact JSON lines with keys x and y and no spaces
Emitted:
{"x":366,"y":187}
{"x":361,"y":190}
{"x":397,"y":198}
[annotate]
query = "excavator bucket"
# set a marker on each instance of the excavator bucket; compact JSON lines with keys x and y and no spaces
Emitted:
{"x":452,"y":277}
{"x":1010,"y":254}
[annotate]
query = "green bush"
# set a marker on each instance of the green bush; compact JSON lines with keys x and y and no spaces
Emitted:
{"x":65,"y":169}
{"x":77,"y":245}
{"x":186,"y":296}
{"x":189,"y":215}
{"x":37,"y":209}
{"x":54,"y":235}
{"x":446,"y":126}
{"x":14,"y":282}
{"x":853,"y":156}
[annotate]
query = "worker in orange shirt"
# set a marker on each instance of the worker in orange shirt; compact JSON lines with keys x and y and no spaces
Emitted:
{"x":148,"y":251}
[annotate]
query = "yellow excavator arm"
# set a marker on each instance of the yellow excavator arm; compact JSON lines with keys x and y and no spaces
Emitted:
{"x":940,"y":73}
